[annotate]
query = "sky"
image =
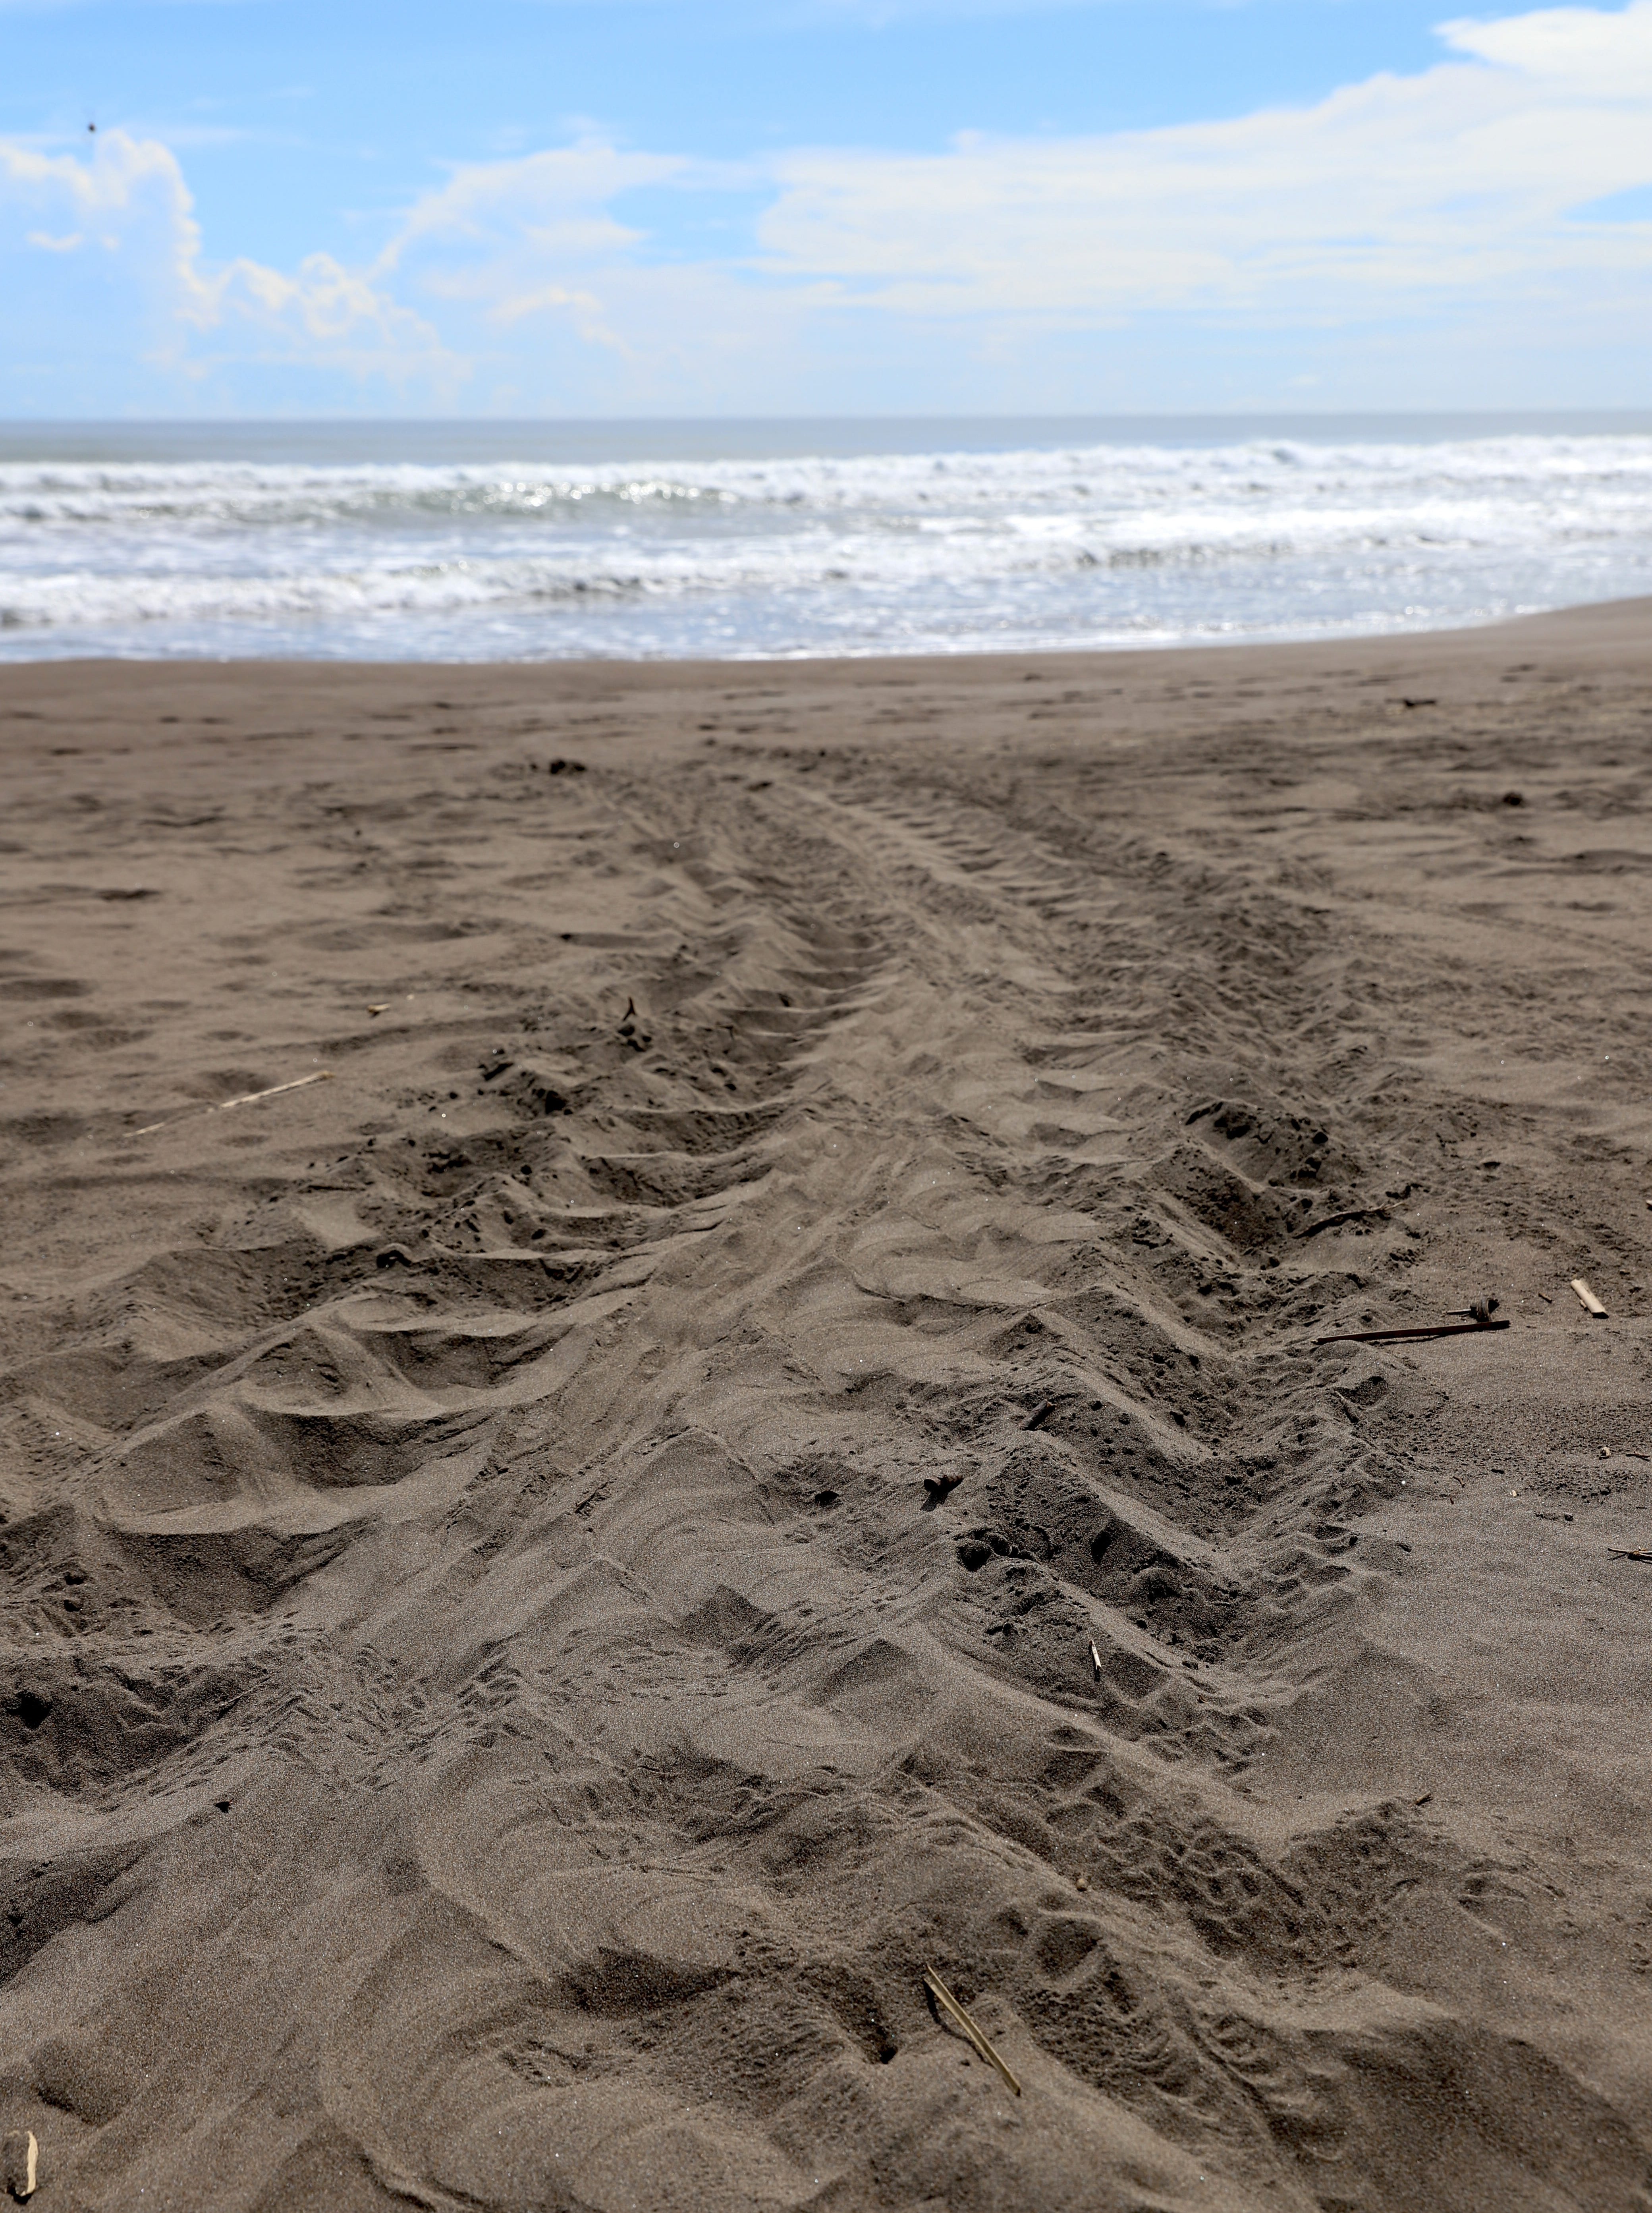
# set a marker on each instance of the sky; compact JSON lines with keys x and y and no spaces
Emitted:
{"x":594,"y":208}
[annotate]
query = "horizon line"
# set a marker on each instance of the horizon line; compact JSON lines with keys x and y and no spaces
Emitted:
{"x":35,"y":423}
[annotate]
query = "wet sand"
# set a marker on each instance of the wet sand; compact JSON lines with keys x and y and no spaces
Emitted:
{"x":491,"y":1713}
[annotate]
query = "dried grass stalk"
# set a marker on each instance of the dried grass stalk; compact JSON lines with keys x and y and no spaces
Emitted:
{"x":969,"y":2026}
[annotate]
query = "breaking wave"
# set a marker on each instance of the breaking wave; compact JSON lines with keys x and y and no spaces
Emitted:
{"x":943,"y":551}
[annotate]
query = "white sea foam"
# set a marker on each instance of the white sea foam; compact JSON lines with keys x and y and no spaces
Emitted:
{"x":1092,"y":543}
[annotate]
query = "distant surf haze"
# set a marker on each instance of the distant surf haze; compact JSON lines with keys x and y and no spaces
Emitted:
{"x":741,"y":539}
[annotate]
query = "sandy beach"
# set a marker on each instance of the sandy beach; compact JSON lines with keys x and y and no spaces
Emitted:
{"x":758,"y":1430}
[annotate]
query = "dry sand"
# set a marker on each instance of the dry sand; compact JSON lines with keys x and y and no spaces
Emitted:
{"x":493,"y":1717}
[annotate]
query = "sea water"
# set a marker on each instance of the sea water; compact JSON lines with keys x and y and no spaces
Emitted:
{"x":527,"y":541}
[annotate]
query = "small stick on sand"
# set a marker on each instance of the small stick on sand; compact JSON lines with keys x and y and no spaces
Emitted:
{"x":245,"y":1099}
{"x":1588,"y":1297}
{"x":1617,"y":1552}
{"x":964,"y":2021}
{"x":21,"y":2157}
{"x":1395,"y":1336}
{"x":1096,"y":1663}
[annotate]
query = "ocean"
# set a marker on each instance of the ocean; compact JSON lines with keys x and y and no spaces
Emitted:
{"x":482,"y":541}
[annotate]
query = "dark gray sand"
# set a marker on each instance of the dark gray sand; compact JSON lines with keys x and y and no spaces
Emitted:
{"x":490,"y":1715}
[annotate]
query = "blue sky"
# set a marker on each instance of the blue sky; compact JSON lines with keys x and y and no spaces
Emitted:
{"x":591,"y":207}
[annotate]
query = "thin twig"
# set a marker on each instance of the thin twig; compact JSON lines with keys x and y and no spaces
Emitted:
{"x":970,"y":2027}
{"x":245,"y":1099}
{"x":1351,"y":1214}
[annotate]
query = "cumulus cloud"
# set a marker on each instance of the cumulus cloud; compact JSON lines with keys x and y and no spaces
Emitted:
{"x":324,"y":315}
{"x":128,"y":196}
{"x":125,"y":208}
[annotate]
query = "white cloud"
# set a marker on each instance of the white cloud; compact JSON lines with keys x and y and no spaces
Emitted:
{"x":504,"y":237}
{"x":584,"y":308}
{"x":531,"y":240}
{"x":323,"y":315}
{"x":1454,"y":200}
{"x":125,"y":191}
{"x":133,"y":216}
{"x":1402,"y":195}
{"x":1459,"y":180}
{"x":1584,"y":46}
{"x":550,"y":200}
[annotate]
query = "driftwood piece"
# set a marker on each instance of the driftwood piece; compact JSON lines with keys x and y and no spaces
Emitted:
{"x":1401,"y":1336}
{"x":20,"y":2157}
{"x":1587,"y":1297}
{"x":967,"y":2025}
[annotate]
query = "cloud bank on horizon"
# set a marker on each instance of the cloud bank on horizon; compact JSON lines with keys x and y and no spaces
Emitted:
{"x":1474,"y":233}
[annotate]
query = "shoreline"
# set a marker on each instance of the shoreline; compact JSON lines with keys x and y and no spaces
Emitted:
{"x":392,"y":548}
{"x":1591,"y":624}
{"x":497,"y":1702}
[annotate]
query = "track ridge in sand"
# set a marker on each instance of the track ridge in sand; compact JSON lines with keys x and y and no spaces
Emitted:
{"x":494,"y":1713}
